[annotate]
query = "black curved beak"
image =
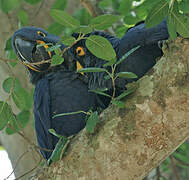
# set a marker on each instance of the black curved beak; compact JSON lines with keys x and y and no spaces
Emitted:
{"x":31,"y":53}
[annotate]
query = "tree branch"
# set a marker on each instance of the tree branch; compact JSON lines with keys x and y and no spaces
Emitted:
{"x":129,"y":143}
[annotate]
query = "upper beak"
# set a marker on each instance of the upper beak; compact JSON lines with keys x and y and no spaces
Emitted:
{"x":29,"y":53}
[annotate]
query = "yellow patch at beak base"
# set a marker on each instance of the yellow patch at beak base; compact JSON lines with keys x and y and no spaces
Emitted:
{"x":45,"y":46}
{"x":79,"y":66}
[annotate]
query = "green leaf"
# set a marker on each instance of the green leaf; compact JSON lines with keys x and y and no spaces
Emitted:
{"x":23,"y":17}
{"x":83,"y":16}
{"x":157,"y":14}
{"x":8,"y":5}
{"x":101,"y":92}
{"x":51,"y":48}
{"x":171,"y":24}
{"x":131,"y":19}
{"x":178,"y":20}
{"x":110,"y":63}
{"x":20,"y":98}
{"x":32,"y":2}
{"x":7,"y":84}
{"x":120,"y":104}
{"x":64,"y":18}
{"x":183,"y":25}
{"x":104,"y":4}
{"x":60,"y":4}
{"x":125,"y":6}
{"x":125,"y":93}
{"x":184,"y":6}
{"x":8,"y":45}
{"x":56,"y":154}
{"x":52,"y":131}
{"x":19,"y":123}
{"x":6,"y":114}
{"x":100,"y":47}
{"x":92,"y":121}
{"x":127,"y":54}
{"x":55,"y":29}
{"x":56,"y":59}
{"x":83,"y":30}
{"x":104,"y":21}
{"x":144,"y":8}
{"x":68,"y":40}
{"x":11,"y":55}
{"x":86,"y":70}
{"x":126,"y":75}
{"x":120,"y":31}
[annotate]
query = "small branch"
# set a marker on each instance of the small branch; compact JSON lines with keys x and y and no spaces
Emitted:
{"x":181,"y":162}
{"x":174,"y":169}
{"x":18,"y":160}
{"x":29,"y":170}
{"x":39,"y":9}
{"x":9,"y":60}
{"x":90,"y":8}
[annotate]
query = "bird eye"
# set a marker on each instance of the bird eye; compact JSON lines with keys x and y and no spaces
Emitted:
{"x":80,"y":51}
{"x":41,"y":33}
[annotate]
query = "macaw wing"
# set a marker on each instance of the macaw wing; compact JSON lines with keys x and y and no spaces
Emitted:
{"x":42,"y":117}
{"x":142,"y":36}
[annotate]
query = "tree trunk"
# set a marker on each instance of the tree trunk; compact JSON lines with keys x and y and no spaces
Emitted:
{"x":128,"y":143}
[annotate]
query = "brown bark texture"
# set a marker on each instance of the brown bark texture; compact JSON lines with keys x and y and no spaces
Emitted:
{"x":128,"y":143}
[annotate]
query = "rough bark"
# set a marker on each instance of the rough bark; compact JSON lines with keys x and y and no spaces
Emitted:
{"x":128,"y":143}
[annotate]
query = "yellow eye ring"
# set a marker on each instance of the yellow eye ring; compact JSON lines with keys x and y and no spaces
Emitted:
{"x":80,"y":51}
{"x":41,"y":33}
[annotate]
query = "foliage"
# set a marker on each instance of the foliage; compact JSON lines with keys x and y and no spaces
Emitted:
{"x":128,"y":13}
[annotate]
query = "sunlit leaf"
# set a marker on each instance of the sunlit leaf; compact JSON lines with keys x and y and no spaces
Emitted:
{"x":126,"y":75}
{"x":52,"y":131}
{"x":19,"y":123}
{"x":56,"y":154}
{"x":64,"y":18}
{"x":101,"y":92}
{"x":59,"y":4}
{"x":125,"y":6}
{"x":20,"y":98}
{"x":68,"y":40}
{"x":184,"y":6}
{"x":83,"y":30}
{"x":56,"y":59}
{"x":7,"y":84}
{"x":104,"y":21}
{"x":6,"y":114}
{"x":120,"y":104}
{"x":100,"y":47}
{"x":86,"y":70}
{"x":55,"y":28}
{"x":125,"y":93}
{"x":157,"y":14}
{"x":91,"y":122}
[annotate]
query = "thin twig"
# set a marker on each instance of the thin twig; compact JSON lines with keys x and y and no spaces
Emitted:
{"x":181,"y":162}
{"x":9,"y":60}
{"x":39,"y":9}
{"x":29,"y":170}
{"x":90,"y":8}
{"x":18,"y":160}
{"x":174,"y":169}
